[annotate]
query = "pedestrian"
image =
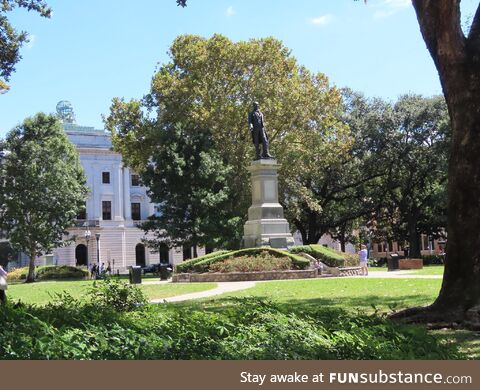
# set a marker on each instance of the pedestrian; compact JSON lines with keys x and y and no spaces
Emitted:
{"x":3,"y":285}
{"x":102,"y":269}
{"x":363,"y":255}
{"x":109,"y":269}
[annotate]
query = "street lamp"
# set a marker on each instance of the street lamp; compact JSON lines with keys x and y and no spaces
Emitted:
{"x":88,"y":234}
{"x":97,"y":236}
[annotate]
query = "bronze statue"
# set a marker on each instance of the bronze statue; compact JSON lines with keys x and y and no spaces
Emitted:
{"x":258,"y":131}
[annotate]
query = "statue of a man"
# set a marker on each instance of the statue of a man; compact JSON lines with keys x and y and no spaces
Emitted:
{"x":256,"y":125}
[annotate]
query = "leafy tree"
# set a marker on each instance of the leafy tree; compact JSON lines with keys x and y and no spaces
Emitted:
{"x":11,"y":40}
{"x":456,"y":56}
{"x":212,"y":83}
{"x":415,"y":190}
{"x":42,"y":186}
{"x":188,"y":180}
{"x":7,"y":253}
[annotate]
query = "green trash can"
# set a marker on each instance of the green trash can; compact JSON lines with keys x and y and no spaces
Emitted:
{"x":135,"y":274}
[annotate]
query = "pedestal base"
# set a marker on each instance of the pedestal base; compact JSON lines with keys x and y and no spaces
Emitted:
{"x":266,"y":225}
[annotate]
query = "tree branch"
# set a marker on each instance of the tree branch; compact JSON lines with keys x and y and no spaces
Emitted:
{"x":440,"y":25}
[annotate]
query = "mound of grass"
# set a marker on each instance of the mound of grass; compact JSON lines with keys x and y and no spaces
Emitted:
{"x":201,"y":265}
{"x":187,"y":265}
{"x":329,"y":256}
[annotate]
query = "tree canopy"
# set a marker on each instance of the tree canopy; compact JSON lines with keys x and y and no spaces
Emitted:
{"x":42,"y":186}
{"x":11,"y":40}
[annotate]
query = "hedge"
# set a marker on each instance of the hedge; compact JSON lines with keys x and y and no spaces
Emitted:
{"x":49,"y":272}
{"x":329,"y":256}
{"x":204,"y":264}
{"x":188,"y":264}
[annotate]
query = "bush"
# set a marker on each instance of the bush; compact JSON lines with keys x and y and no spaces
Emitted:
{"x":187,"y":265}
{"x":261,"y":262}
{"x":329,"y":256}
{"x":298,"y":262}
{"x":236,"y":328}
{"x":116,"y":294}
{"x":433,"y":259}
{"x":49,"y":272}
{"x":381,"y":262}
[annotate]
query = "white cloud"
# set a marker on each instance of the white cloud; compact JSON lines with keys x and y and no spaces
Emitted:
{"x":387,"y":8}
{"x":321,"y":20}
{"x":31,"y":41}
{"x":230,"y":11}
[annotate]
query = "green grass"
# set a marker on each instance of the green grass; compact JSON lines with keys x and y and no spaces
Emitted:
{"x":348,"y":293}
{"x":43,"y":292}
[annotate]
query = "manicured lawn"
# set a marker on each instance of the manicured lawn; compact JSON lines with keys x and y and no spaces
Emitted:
{"x":348,"y":293}
{"x":43,"y":292}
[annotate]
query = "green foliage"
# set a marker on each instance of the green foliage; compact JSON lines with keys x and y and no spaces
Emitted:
{"x":42,"y":186}
{"x":243,"y":328}
{"x":12,"y":40}
{"x":261,"y":262}
{"x":49,"y":272}
{"x":187,"y":265}
{"x":7,"y":253}
{"x":204,"y":265}
{"x":329,"y":256}
{"x":116,"y":294}
{"x":187,"y":179}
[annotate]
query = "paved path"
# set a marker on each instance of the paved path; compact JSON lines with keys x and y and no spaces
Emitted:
{"x":398,"y":275}
{"x":222,"y":287}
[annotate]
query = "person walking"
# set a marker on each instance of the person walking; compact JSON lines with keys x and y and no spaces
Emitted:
{"x":363,"y":255}
{"x":3,"y":285}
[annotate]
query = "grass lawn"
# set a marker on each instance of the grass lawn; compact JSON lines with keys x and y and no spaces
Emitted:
{"x":43,"y":292}
{"x":426,"y":270}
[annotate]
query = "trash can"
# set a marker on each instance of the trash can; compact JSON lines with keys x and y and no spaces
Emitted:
{"x":392,"y":262}
{"x":135,"y":274}
{"x":164,"y":270}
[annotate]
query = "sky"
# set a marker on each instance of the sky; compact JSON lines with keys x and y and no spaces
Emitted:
{"x":91,"y":51}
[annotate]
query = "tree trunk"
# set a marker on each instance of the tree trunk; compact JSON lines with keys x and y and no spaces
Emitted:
{"x":31,"y":267}
{"x":413,"y":240}
{"x":457,"y":59}
{"x":195,"y":251}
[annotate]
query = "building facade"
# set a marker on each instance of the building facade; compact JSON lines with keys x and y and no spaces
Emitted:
{"x":106,"y":231}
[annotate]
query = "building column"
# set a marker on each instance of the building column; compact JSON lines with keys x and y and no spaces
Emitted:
{"x":118,"y":194}
{"x":97,"y":185}
{"x":126,"y":194}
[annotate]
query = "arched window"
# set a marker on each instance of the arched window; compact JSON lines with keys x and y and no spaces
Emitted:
{"x":140,"y":255}
{"x":81,"y":255}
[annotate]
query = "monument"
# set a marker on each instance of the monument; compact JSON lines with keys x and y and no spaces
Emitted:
{"x":266,"y":225}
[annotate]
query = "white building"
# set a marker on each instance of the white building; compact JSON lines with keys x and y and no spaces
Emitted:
{"x":106,"y":231}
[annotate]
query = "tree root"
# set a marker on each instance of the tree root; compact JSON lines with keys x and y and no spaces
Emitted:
{"x":433,"y":318}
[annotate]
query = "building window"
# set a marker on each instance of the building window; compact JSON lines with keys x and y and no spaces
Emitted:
{"x":106,"y":210}
{"x":136,"y":214}
{"x":82,"y":214}
{"x":106,"y":177}
{"x":135,"y":180}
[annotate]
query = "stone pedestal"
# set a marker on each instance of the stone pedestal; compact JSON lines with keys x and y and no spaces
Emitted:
{"x":266,"y":225}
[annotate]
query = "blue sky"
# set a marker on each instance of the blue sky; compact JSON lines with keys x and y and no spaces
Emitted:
{"x":93,"y":50}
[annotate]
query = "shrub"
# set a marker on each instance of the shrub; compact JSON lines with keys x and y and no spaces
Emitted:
{"x":433,"y":259}
{"x":117,"y":295}
{"x":261,"y":262}
{"x":188,"y":264}
{"x":236,"y":328}
{"x":329,"y":256}
{"x":298,"y":262}
{"x":50,"y":272}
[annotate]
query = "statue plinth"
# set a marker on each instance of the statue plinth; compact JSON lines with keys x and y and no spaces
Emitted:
{"x":266,"y":225}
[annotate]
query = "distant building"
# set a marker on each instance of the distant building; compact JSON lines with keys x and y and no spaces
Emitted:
{"x":116,"y":204}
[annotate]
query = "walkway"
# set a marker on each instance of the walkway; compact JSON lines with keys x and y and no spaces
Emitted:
{"x":399,"y":275}
{"x":222,"y":287}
